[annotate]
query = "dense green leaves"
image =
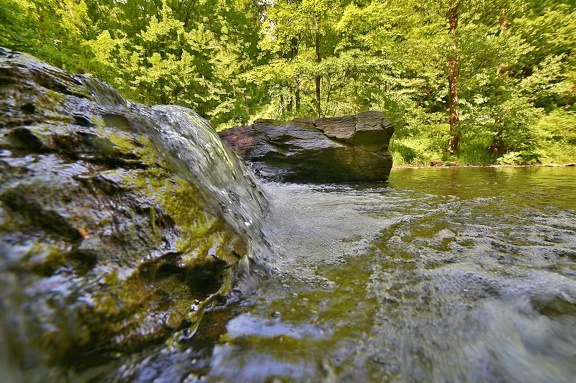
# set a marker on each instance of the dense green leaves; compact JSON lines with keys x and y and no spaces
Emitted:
{"x":513,"y":64}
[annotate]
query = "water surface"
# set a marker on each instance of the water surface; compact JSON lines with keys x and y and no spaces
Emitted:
{"x":444,"y":275}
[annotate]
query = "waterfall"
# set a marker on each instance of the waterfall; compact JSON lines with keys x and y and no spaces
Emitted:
{"x":192,"y":147}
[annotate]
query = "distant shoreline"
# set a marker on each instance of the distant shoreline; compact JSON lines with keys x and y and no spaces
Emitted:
{"x":454,"y":165}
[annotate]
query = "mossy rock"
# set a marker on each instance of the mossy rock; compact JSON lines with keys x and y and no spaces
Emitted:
{"x":107,"y":245}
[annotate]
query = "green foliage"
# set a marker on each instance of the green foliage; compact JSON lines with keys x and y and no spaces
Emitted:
{"x":52,"y":30}
{"x":404,"y":154}
{"x":519,"y":158}
{"x":556,"y":136}
{"x":234,"y":61}
{"x":14,"y":33}
{"x":473,"y":151}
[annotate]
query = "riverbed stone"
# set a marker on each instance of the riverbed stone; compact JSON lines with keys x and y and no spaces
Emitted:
{"x":338,"y":149}
{"x":105,"y":245}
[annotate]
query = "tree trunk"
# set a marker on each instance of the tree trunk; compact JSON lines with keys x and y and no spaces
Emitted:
{"x":296,"y":80}
{"x":318,"y":60}
{"x":246,"y":106}
{"x":497,"y":147}
{"x":297,"y":95}
{"x":355,"y":81}
{"x":455,"y":133}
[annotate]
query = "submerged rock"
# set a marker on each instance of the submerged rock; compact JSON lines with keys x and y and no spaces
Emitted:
{"x":119,"y":223}
{"x":339,"y":149}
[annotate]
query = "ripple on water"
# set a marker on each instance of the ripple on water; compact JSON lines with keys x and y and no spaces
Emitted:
{"x":460,"y":323}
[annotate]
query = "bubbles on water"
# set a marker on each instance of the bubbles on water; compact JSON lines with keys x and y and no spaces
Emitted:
{"x":247,"y":325}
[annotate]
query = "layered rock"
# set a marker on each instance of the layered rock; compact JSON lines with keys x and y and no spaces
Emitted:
{"x":119,"y":223}
{"x":339,"y":149}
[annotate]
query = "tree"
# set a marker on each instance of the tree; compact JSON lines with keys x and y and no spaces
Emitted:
{"x":169,"y":51}
{"x":453,"y":13}
{"x":301,"y":34}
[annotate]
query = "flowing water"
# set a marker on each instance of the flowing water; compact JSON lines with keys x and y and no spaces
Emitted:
{"x":444,"y":275}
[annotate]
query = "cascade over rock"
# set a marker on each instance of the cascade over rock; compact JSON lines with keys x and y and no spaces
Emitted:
{"x":338,"y":149}
{"x":119,"y":223}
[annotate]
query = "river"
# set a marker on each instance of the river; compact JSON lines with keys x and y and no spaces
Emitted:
{"x":444,"y":275}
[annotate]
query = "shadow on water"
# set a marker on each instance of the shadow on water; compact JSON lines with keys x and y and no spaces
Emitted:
{"x":445,"y":275}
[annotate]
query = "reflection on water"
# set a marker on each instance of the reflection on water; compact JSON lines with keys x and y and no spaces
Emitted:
{"x":446,"y":275}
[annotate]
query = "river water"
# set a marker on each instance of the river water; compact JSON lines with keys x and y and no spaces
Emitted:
{"x":444,"y":275}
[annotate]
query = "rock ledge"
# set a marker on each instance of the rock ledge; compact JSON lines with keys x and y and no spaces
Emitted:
{"x":338,"y":149}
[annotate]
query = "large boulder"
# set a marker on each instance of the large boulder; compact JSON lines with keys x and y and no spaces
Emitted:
{"x":339,"y":149}
{"x":119,"y":223}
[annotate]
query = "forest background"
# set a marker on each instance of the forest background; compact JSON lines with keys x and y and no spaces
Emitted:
{"x":463,"y":81}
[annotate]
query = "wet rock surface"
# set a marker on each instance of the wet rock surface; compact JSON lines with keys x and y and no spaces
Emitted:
{"x":116,"y":230}
{"x":339,"y":149}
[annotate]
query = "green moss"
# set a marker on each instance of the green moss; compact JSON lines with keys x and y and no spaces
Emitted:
{"x":202,"y":232}
{"x":124,"y":143}
{"x":44,"y":257}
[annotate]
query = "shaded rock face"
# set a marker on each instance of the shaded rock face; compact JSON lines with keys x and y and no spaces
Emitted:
{"x":119,"y":223}
{"x":339,"y":149}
